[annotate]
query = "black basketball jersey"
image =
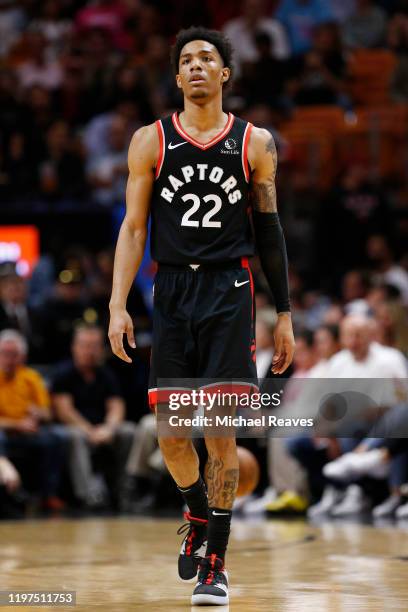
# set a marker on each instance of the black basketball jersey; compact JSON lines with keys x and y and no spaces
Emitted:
{"x":199,"y":208}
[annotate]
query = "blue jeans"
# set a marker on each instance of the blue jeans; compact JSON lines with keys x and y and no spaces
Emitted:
{"x":44,"y":451}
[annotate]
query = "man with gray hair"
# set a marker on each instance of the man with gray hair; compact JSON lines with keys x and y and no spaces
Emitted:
{"x":25,"y":415}
{"x":378,"y":372}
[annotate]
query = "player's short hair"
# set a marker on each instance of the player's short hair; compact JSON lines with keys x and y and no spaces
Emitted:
{"x":216,"y":38}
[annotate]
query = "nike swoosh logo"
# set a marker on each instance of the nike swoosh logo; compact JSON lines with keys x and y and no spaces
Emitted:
{"x":237,"y":284}
{"x":220,"y":513}
{"x":174,"y":146}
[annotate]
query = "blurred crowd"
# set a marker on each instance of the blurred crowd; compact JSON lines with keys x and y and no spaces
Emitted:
{"x":356,"y":463}
{"x":76,"y":79}
{"x":75,"y":428}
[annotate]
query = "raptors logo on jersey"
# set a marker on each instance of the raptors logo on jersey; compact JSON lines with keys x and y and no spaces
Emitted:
{"x":199,"y":208}
{"x":215,"y":175}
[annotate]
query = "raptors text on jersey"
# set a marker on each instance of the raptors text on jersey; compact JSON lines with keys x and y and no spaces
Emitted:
{"x":199,"y":208}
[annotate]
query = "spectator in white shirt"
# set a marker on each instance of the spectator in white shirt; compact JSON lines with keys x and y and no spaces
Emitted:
{"x":361,"y":357}
{"x":380,"y":370}
{"x":382,"y":362}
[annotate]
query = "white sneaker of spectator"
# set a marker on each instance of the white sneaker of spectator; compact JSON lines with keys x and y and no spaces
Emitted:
{"x":354,"y":502}
{"x":402,"y":511}
{"x":98,"y":491}
{"x":9,"y":477}
{"x":352,"y":466}
{"x":387,"y":507}
{"x":240,"y":502}
{"x":331,"y":496}
{"x":255,"y":506}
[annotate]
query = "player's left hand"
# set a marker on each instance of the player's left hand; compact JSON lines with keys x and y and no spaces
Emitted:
{"x":284,"y":344}
{"x":120,"y":324}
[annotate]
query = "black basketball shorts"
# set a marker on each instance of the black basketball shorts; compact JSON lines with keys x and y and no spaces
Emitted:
{"x":203,"y":328}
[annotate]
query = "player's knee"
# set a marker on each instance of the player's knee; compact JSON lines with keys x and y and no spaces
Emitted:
{"x":221,"y":446}
{"x":173,"y":447}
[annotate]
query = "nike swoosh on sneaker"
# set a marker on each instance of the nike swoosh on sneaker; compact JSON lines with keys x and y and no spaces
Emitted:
{"x":220,"y":513}
{"x":237,"y":284}
{"x":174,"y":146}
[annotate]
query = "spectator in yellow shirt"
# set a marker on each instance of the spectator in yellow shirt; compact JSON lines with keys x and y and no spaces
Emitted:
{"x":24,"y":418}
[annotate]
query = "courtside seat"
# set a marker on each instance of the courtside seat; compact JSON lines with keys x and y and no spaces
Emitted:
{"x":370,"y":72}
{"x":312,"y":134}
{"x":311,"y":154}
{"x":377,"y":136}
{"x":391,"y":118}
{"x":330,"y":118}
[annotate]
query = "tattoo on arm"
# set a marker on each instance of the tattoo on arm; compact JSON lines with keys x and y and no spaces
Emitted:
{"x":263,"y":195}
{"x":271,"y":148}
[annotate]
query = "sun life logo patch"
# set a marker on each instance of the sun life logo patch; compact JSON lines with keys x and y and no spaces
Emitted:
{"x":230,"y":147}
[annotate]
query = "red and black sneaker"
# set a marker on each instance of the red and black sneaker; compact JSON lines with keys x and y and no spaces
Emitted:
{"x":212,"y":586}
{"x":193,"y":547}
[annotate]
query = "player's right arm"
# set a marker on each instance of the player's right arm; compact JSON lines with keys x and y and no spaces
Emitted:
{"x":142,"y":160}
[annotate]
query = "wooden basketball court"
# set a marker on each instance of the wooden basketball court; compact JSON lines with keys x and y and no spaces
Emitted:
{"x":119,"y":565}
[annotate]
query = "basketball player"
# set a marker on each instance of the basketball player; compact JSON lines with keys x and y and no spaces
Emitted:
{"x":200,"y":175}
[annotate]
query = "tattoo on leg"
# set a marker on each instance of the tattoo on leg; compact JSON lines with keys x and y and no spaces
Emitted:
{"x":214,"y":470}
{"x":230,"y":487}
{"x":221,"y":484}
